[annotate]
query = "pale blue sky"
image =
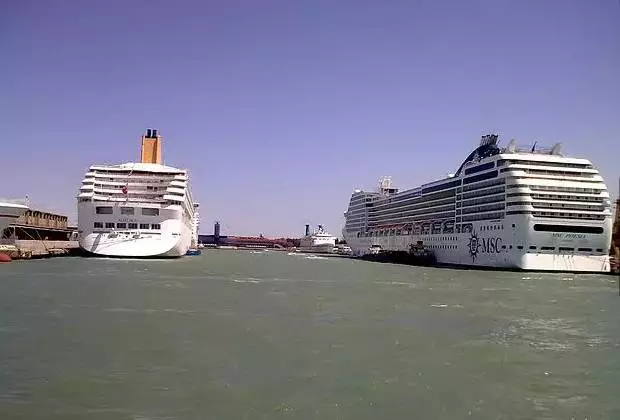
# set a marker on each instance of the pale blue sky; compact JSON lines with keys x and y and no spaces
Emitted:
{"x":279,"y":109}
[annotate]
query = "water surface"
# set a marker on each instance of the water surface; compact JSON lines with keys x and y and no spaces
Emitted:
{"x":247,"y":335}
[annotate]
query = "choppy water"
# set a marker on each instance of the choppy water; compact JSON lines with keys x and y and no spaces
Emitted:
{"x":241,"y":335}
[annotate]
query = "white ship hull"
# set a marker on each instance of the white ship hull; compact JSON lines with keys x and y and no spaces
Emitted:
{"x":173,"y":239}
{"x":496,"y":244}
{"x":9,"y":213}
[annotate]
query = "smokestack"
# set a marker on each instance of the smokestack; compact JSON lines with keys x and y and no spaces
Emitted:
{"x":307,"y":230}
{"x":154,"y":133}
{"x":148,"y":133}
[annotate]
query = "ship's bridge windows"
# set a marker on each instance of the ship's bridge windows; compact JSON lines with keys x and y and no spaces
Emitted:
{"x":98,"y":225}
{"x":150,"y":212}
{"x":479,"y":168}
{"x":155,"y":226}
{"x":127,"y":211}
{"x":121,"y":225}
{"x":109,"y":225}
{"x":104,"y":210}
{"x":132,"y":226}
{"x":481,"y":177}
{"x":144,"y":225}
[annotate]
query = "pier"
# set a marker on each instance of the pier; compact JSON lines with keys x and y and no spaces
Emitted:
{"x":39,"y":234}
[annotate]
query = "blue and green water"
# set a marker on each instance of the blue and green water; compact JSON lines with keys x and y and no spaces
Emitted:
{"x":247,"y":335}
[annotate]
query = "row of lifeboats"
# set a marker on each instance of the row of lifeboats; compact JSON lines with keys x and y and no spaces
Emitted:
{"x":422,"y":228}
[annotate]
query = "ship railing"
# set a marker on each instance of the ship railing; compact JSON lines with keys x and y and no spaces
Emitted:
{"x":21,"y":201}
{"x":532,"y":148}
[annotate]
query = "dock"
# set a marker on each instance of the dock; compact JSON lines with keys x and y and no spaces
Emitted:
{"x":32,"y":249}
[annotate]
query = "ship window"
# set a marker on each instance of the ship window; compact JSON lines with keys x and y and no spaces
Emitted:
{"x":599,"y":249}
{"x":503,"y":246}
{"x":585,"y":250}
{"x":121,"y":225}
{"x":547,"y":248}
{"x":109,"y":225}
{"x":562,"y":248}
{"x":144,"y":225}
{"x":133,"y":226}
{"x":480,"y":177}
{"x":98,"y":225}
{"x":127,"y":210}
{"x":156,"y":226}
{"x":104,"y":210}
{"x":150,"y":212}
{"x":520,"y":247}
{"x":532,"y":247}
{"x":479,"y":168}
{"x":565,"y":228}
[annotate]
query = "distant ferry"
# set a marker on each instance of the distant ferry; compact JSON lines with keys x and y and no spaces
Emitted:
{"x":511,"y":207}
{"x":319,"y":241}
{"x":137,"y":209}
{"x":10,"y":211}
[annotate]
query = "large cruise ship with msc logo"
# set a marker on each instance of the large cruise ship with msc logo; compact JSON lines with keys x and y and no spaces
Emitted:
{"x":140,"y":209}
{"x":510,"y":207}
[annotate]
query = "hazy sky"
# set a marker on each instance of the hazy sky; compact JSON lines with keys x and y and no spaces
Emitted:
{"x":279,"y":109}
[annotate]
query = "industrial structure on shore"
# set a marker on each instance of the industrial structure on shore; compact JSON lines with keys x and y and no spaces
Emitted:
{"x":219,"y":240}
{"x":39,"y":225}
{"x":37,"y":234}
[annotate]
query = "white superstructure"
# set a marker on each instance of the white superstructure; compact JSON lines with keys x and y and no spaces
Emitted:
{"x":10,"y":211}
{"x":510,"y":207}
{"x":195,"y":232}
{"x":136,"y":210}
{"x":319,"y":241}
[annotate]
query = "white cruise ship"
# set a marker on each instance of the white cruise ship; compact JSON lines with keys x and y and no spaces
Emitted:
{"x":319,"y":241}
{"x":511,"y":207}
{"x":10,"y":211}
{"x":137,"y":209}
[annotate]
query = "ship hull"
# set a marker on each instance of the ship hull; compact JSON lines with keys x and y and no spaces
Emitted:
{"x":171,"y":240}
{"x":511,"y":244}
{"x":322,"y":248}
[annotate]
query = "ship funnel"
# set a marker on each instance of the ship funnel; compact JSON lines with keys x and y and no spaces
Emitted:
{"x":151,"y":147}
{"x":307,"y":230}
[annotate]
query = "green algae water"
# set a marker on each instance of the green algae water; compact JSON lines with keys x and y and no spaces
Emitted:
{"x":268,"y":335}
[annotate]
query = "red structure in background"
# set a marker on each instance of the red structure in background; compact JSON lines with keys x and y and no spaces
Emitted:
{"x":245,"y":241}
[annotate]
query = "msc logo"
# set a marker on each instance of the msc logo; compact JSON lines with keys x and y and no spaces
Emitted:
{"x":479,"y":245}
